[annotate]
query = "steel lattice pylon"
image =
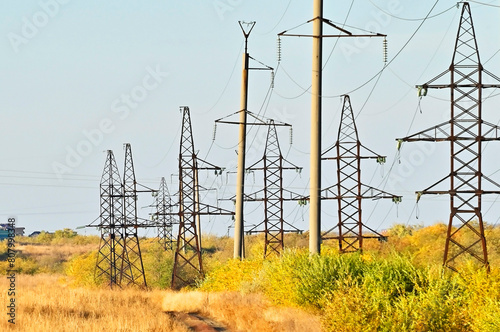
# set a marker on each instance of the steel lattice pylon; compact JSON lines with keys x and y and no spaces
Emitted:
{"x":133,"y":269}
{"x":164,"y":218}
{"x":119,"y":258}
{"x":466,"y":131}
{"x":111,"y":248}
{"x":274,"y":223}
{"x":188,"y":261}
{"x":349,"y":191}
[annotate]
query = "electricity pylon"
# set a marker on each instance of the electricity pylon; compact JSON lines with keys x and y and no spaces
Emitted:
{"x":274,"y":222}
{"x":163,"y":217}
{"x":132,"y":266}
{"x":119,"y":258}
{"x":349,"y":191}
{"x":110,"y":258}
{"x":188,"y":261}
{"x":466,"y":131}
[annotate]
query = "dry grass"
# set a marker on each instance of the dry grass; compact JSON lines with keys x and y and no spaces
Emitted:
{"x":44,"y":303}
{"x":60,"y":252}
{"x":242,"y":312}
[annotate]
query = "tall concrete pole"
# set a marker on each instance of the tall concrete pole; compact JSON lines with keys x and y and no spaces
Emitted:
{"x":240,"y":174}
{"x":315,"y":172}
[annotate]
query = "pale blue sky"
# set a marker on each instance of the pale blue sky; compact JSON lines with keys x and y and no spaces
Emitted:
{"x":68,"y":75}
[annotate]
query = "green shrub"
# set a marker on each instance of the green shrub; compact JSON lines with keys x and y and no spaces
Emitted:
{"x":81,"y":269}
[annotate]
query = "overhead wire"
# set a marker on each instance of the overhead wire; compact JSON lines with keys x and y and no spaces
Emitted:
{"x":388,"y":174}
{"x":484,"y":4}
{"x":410,"y":19}
{"x":280,"y":19}
{"x":228,"y":81}
{"x":326,"y":62}
{"x":386,"y":66}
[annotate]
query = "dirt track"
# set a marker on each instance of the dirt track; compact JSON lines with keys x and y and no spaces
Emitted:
{"x":198,"y":323}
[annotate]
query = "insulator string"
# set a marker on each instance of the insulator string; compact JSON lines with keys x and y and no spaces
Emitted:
{"x":278,"y":46}
{"x":385,"y":50}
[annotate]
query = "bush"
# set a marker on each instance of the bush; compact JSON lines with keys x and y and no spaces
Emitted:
{"x":81,"y":269}
{"x":158,"y":264}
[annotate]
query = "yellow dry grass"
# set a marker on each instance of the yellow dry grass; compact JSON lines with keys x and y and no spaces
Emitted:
{"x":62,"y":252}
{"x":242,"y":312}
{"x":44,"y":303}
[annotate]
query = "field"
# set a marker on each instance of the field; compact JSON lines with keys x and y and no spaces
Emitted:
{"x":393,"y":286}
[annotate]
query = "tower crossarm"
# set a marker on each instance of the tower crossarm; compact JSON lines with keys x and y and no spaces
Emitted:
{"x":441,"y":133}
{"x":346,"y":153}
{"x":205,"y":209}
{"x":258,"y":228}
{"x":464,"y":80}
{"x":258,"y":196}
{"x":466,"y":188}
{"x":257,"y":120}
{"x":291,"y":167}
{"x":367,"y":192}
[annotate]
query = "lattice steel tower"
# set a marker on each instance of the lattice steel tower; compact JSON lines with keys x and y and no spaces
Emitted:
{"x":133,"y":269}
{"x":466,"y":131}
{"x":111,"y":248}
{"x":349,"y":191}
{"x":164,"y":218}
{"x":119,"y":258}
{"x":274,"y":223}
{"x":188,"y":261}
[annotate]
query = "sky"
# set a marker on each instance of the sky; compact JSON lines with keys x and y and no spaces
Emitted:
{"x":82,"y":77}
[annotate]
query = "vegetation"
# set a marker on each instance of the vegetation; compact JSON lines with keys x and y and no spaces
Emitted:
{"x":397,"y":285}
{"x":367,"y":293}
{"x":46,"y":303}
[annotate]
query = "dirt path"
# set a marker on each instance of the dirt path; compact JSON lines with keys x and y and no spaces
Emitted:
{"x":198,"y":323}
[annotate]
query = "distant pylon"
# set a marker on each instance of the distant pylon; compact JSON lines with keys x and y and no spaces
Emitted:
{"x":111,"y":248}
{"x":164,"y":219}
{"x":188,"y":264}
{"x":466,"y":131}
{"x":274,"y":222}
{"x":349,"y":191}
{"x":132,"y":268}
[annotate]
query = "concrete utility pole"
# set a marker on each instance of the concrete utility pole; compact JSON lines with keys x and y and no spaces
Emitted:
{"x":316,"y":91}
{"x":240,"y":174}
{"x":315,"y":172}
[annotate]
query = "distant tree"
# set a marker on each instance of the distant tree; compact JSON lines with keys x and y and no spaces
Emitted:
{"x":44,"y":237}
{"x":65,"y":233}
{"x":401,"y":230}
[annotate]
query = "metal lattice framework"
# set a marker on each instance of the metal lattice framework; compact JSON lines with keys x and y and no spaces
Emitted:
{"x":119,"y":258}
{"x":164,"y":219}
{"x":110,"y":258}
{"x":466,"y":131}
{"x":274,"y":223}
{"x":132,"y":266}
{"x":188,"y":261}
{"x":349,"y":191}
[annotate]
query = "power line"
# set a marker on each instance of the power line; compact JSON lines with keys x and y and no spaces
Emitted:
{"x":484,"y":4}
{"x":410,"y":19}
